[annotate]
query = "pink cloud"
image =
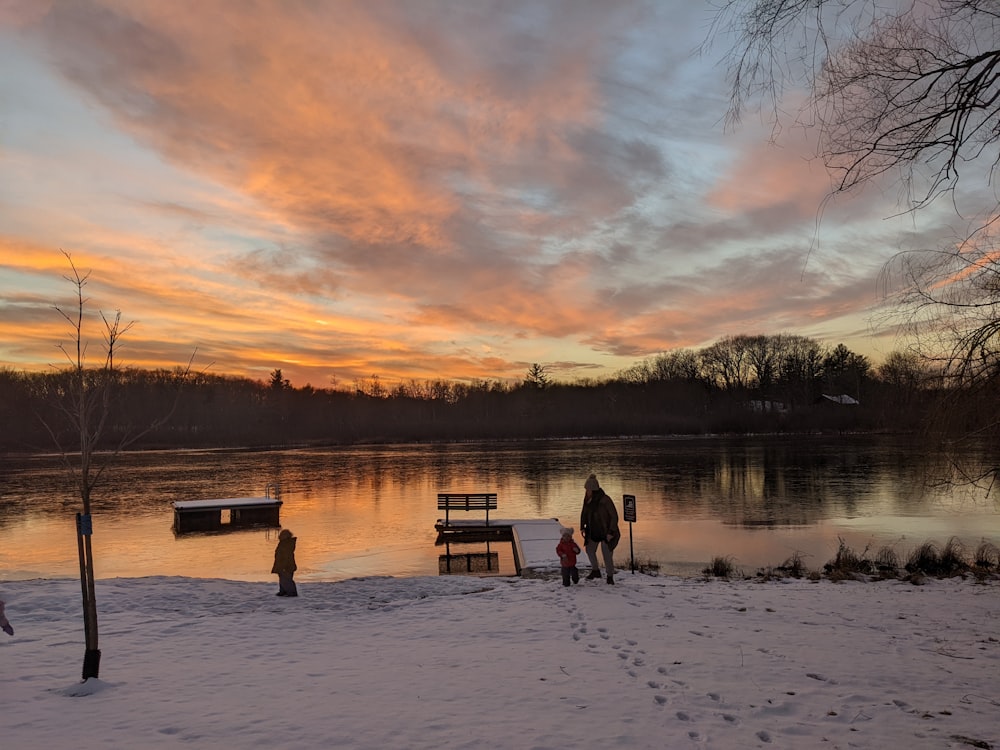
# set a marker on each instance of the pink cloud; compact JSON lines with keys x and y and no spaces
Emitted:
{"x":421,"y":182}
{"x":765,"y":176}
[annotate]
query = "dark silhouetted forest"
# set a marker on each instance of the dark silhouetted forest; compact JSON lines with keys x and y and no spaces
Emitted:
{"x":741,"y":384}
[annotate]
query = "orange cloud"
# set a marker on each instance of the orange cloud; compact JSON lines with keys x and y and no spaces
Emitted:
{"x":451,"y":194}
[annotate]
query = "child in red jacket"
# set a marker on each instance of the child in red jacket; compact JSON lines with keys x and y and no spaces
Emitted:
{"x":567,"y":550}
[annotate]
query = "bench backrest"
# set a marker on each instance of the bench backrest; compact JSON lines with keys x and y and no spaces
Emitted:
{"x":449,"y":501}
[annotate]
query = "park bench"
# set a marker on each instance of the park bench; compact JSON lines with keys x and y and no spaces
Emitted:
{"x":449,"y":501}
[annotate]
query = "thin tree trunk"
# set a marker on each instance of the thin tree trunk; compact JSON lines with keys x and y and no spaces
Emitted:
{"x":92,"y":654}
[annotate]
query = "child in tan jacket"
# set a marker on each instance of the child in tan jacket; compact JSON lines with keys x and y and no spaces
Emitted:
{"x":284,"y":564}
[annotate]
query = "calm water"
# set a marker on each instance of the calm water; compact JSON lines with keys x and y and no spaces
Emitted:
{"x":363,"y":511}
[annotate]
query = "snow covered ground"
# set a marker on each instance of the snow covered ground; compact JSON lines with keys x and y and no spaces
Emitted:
{"x":460,"y":662}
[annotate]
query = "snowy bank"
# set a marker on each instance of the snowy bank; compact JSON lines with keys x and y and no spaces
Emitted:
{"x":458,"y":662}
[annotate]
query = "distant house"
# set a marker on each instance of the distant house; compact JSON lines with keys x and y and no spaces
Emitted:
{"x":843,"y":400}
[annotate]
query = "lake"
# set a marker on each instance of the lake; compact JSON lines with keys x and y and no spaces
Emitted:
{"x":371,"y":510}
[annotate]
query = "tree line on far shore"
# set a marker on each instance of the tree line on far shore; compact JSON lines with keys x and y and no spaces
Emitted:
{"x":740,"y":384}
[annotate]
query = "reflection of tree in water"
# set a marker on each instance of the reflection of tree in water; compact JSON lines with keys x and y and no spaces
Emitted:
{"x":790,"y":482}
{"x":764,"y":481}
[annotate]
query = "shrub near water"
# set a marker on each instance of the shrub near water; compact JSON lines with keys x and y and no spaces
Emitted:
{"x":720,"y":567}
{"x":887,"y":561}
{"x":647,"y":565}
{"x":926,"y":560}
{"x":847,"y":563}
{"x":793,"y":566}
{"x":929,"y":560}
{"x":987,"y":557}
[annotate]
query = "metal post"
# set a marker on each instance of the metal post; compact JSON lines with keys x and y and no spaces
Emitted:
{"x":630,"y":548}
{"x":628,"y":511}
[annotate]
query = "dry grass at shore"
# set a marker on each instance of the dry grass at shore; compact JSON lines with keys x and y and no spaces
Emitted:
{"x":926,"y":560}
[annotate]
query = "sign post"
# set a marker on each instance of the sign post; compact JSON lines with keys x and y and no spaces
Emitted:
{"x":628,"y":506}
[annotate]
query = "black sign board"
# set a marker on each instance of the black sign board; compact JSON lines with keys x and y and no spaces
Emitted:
{"x":629,"y":507}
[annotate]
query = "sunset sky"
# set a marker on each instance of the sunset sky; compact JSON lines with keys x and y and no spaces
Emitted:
{"x":414,"y":190}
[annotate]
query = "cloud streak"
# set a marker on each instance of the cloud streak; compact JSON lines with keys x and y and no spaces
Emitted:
{"x":411,"y":190}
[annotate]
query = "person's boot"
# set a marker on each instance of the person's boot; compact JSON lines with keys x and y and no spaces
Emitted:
{"x":611,"y":580}
{"x":595,"y":573}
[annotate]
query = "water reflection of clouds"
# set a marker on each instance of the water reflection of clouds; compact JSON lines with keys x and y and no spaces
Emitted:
{"x":683,"y":546}
{"x":370,"y":510}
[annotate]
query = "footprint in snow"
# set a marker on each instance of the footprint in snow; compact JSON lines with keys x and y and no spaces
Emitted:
{"x":821,"y":678}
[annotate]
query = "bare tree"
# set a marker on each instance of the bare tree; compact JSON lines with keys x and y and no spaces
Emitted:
{"x":801,"y":369}
{"x":910,"y":89}
{"x":951,"y":300}
{"x":372,"y":387}
{"x":726,"y":363}
{"x":764,"y":355}
{"x":77,"y":409}
{"x":902,"y":370}
{"x":677,"y":364}
{"x":905,"y":379}
{"x":895,"y":86}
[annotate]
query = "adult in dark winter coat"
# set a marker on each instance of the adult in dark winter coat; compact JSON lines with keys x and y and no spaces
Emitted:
{"x":599,"y":523}
{"x":284,"y":564}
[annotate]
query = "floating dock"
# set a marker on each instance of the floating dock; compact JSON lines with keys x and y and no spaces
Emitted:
{"x":226,"y":513}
